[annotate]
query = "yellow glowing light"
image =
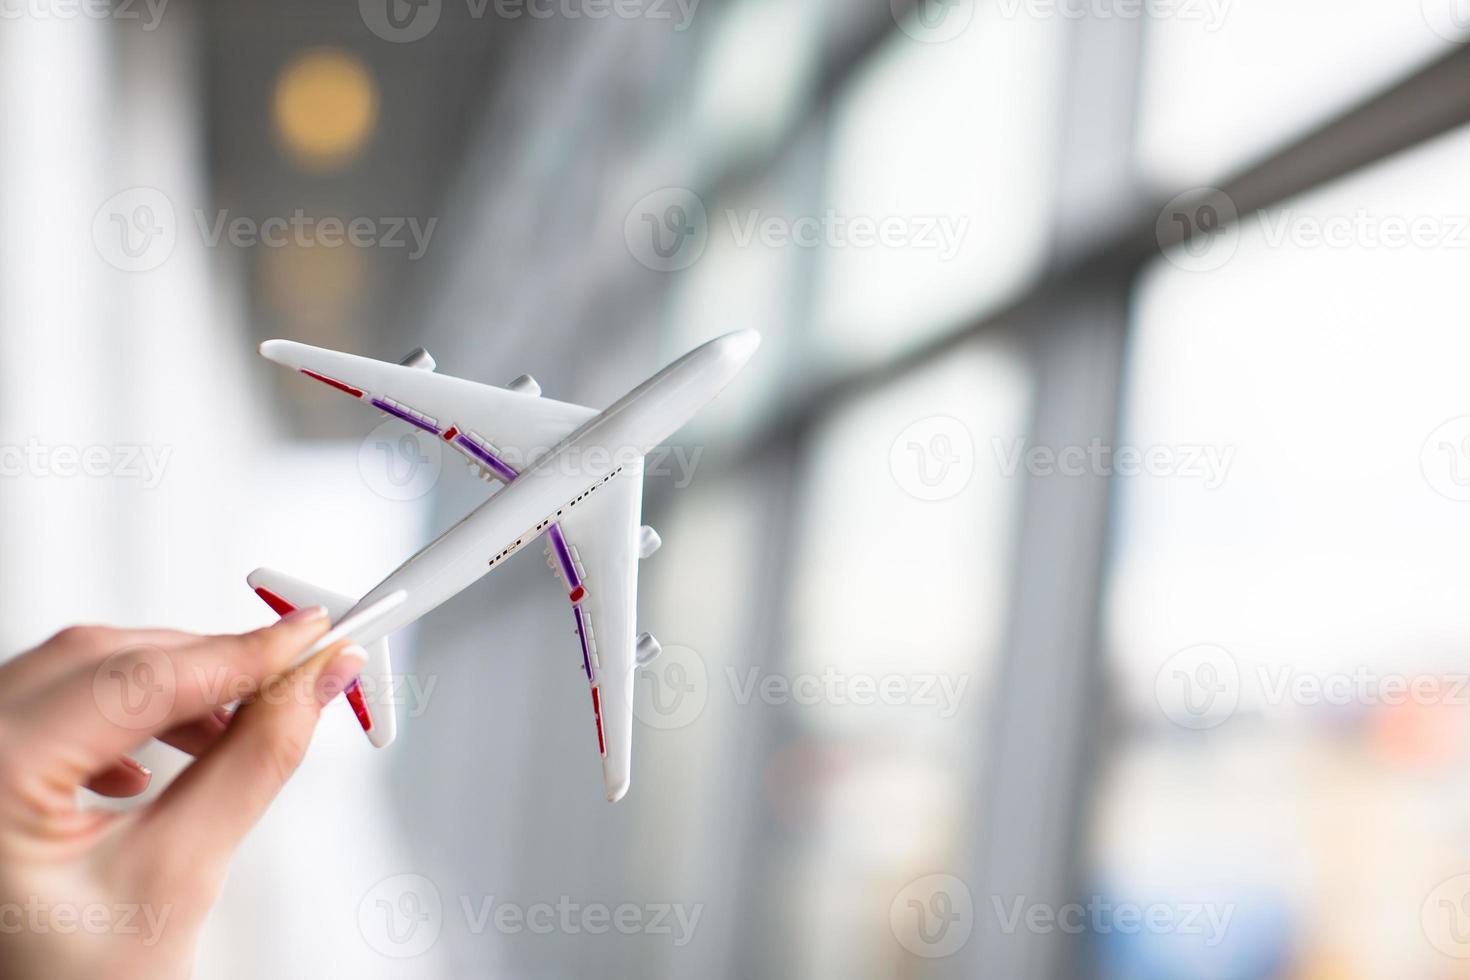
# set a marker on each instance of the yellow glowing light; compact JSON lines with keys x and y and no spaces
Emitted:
{"x":326,"y":107}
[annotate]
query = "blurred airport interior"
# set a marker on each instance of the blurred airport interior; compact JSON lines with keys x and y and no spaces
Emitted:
{"x":1064,"y":591}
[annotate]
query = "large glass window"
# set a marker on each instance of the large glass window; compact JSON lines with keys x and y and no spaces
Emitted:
{"x":745,"y":279}
{"x":754,"y":76}
{"x":1209,"y":68}
{"x":704,"y":595}
{"x":1285,"y":611}
{"x":941,"y":174}
{"x":897,"y":605}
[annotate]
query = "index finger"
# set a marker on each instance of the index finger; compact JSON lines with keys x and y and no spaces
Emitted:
{"x":89,"y":717}
{"x":76,"y":646}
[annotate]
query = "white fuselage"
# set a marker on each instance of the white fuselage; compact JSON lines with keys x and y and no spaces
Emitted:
{"x":595,"y":453}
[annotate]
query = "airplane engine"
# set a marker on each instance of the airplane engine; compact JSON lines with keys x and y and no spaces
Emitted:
{"x":526,"y":385}
{"x":647,"y":650}
{"x":419,"y":358}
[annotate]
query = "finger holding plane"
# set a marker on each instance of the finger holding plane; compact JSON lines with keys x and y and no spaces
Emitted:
{"x":94,"y":714}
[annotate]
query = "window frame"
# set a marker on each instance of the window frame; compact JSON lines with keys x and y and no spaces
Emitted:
{"x":1074,"y":320}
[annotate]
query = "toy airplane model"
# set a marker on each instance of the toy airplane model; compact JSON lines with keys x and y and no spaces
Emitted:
{"x":570,"y":474}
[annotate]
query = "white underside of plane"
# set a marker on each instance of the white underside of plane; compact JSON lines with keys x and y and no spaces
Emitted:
{"x":570,"y":476}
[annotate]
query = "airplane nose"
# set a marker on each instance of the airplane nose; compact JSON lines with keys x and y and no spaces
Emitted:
{"x":740,"y":345}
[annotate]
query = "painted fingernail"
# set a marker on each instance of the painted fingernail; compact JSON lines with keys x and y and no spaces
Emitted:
{"x":304,"y":614}
{"x":338,"y":675}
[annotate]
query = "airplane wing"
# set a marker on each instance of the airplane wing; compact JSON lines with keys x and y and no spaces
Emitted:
{"x":501,"y":430}
{"x":594,"y":550}
{"x":371,"y":703}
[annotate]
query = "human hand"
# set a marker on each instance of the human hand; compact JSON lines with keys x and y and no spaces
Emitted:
{"x":90,"y":893}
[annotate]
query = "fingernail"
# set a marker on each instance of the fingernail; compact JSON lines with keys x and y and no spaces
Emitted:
{"x":338,"y":675}
{"x":223,"y":715}
{"x":136,"y":766}
{"x":304,"y":614}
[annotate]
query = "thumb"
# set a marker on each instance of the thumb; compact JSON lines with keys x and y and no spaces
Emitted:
{"x":216,"y":801}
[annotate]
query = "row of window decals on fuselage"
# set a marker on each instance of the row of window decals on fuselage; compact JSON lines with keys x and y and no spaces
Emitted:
{"x":514,"y":546}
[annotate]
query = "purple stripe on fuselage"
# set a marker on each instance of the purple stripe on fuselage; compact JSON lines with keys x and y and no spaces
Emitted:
{"x":400,"y":413}
{"x":582,"y":636}
{"x":559,"y":544}
{"x":488,"y":458}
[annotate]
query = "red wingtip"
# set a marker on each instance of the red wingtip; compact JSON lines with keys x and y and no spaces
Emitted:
{"x":278,"y":605}
{"x":359,"y":706}
{"x":340,"y":386}
{"x":597,"y":712}
{"x":577,"y":594}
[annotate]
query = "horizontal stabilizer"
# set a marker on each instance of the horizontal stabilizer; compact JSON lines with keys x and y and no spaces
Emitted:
{"x":371,"y":696}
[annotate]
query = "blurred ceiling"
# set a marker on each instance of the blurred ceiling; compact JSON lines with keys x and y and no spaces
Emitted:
{"x":368,"y":129}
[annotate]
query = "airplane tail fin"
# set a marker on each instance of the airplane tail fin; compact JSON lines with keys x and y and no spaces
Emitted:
{"x":371,"y":695}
